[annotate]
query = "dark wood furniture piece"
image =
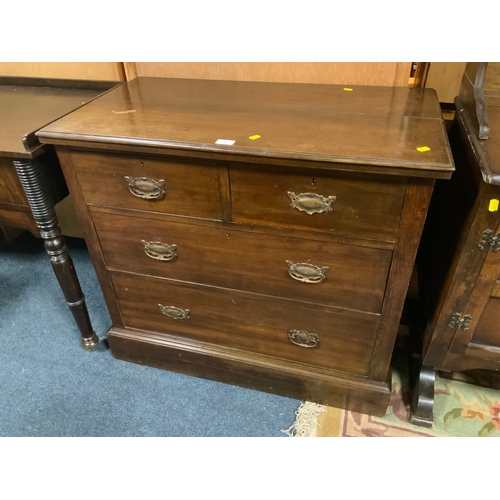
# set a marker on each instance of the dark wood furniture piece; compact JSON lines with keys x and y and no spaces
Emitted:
{"x":459,"y":258}
{"x":260,"y":234}
{"x":31,"y":180}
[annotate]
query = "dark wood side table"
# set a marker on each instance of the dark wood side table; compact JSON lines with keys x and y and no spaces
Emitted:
{"x":31,"y":180}
{"x":259,"y":234}
{"x":459,"y":256}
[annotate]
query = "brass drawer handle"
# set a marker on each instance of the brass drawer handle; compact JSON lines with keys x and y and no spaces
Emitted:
{"x":174,"y":312}
{"x":147,"y":189}
{"x":303,"y":338}
{"x":306,"y":273}
{"x":160,"y":251}
{"x":311,"y":203}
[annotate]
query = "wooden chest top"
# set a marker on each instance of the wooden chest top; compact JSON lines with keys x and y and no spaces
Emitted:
{"x":376,"y":129}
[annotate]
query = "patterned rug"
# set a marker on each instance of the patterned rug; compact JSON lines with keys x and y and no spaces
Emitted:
{"x":460,"y":409}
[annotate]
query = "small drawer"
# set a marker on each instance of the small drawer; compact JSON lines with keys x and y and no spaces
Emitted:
{"x":353,"y":205}
{"x":173,"y":186}
{"x":299,"y":332}
{"x":333,"y":274}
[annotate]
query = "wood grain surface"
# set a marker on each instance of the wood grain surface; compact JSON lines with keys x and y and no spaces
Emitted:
{"x":249,"y":322}
{"x":445,"y":78}
{"x":11,"y":190}
{"x":268,"y":374}
{"x":74,"y":70}
{"x":191,"y":188}
{"x":251,"y":261}
{"x":368,"y":208}
{"x":348,"y":73}
{"x":370,"y":125}
{"x":27,"y":105}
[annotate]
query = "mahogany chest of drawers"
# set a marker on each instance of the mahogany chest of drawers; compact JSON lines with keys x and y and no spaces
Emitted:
{"x":259,"y":234}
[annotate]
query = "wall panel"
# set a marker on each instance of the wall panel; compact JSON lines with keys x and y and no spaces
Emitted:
{"x":386,"y":74}
{"x":73,"y":70}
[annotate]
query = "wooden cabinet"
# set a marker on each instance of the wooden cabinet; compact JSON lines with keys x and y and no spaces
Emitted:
{"x":459,"y":260}
{"x":276,"y":259}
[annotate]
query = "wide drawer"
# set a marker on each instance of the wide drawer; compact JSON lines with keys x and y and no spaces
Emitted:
{"x":299,"y":332}
{"x":173,"y":186}
{"x":347,"y":204}
{"x":328,"y":273}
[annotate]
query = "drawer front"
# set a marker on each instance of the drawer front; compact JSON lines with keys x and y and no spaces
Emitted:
{"x":362,"y":206}
{"x":290,"y":330}
{"x":333,"y":274}
{"x":171,"y":186}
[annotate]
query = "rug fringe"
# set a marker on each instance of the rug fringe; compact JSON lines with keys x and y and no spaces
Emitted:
{"x":306,"y":420}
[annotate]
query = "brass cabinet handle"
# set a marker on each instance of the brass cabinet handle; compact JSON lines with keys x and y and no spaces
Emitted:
{"x":147,"y":189}
{"x":174,"y":312}
{"x":303,"y":338}
{"x":311,"y":203}
{"x":160,"y":251}
{"x":306,"y":273}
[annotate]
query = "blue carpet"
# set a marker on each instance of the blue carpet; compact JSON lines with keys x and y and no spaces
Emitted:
{"x":50,"y":386}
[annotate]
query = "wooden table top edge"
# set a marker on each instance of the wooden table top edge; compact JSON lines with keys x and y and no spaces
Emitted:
{"x":32,"y":146}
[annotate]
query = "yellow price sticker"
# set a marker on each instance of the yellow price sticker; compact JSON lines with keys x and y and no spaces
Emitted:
{"x":348,"y":89}
{"x":253,"y":137}
{"x":493,"y":206}
{"x":423,"y":149}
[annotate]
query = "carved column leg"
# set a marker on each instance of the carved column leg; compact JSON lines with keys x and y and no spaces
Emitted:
{"x":30,"y":175}
{"x":422,"y":398}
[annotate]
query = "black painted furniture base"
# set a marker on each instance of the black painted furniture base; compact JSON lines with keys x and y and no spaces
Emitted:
{"x":422,"y":380}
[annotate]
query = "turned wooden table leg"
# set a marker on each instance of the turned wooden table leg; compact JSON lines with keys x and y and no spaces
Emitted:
{"x":30,"y":175}
{"x":422,"y":397}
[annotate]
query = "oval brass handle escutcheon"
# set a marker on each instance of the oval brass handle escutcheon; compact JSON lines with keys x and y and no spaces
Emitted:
{"x":147,"y":189}
{"x":311,"y":203}
{"x":174,"y":312}
{"x":303,"y":338}
{"x":160,"y":251}
{"x":306,"y":273}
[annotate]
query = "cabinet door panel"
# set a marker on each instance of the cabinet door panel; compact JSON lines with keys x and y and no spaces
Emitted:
{"x":487,"y":332}
{"x":481,"y":337}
